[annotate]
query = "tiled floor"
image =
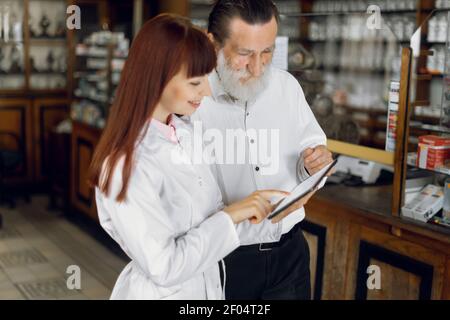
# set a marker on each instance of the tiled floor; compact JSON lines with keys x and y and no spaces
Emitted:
{"x":37,"y":247}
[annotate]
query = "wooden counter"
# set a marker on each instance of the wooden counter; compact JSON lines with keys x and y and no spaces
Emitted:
{"x":350,"y":228}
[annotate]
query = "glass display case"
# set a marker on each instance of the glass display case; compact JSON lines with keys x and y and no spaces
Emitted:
{"x":12,"y":50}
{"x":33,"y":45}
{"x":99,"y":63}
{"x":445,"y":110}
{"x":48,"y":44}
{"x":346,"y":70}
{"x":428,"y":143}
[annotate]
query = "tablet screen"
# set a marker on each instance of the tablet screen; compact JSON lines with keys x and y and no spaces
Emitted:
{"x":303,"y":189}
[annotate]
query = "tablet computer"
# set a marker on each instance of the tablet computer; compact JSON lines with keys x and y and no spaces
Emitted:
{"x":302,"y":189}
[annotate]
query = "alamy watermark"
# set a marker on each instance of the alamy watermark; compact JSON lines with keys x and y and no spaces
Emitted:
{"x":259,"y":147}
{"x":374,"y":21}
{"x":73,"y":281}
{"x":374,"y":278}
{"x":73,"y":19}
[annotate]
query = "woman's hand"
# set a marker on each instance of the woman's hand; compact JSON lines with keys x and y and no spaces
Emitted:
{"x":295,"y":206}
{"x":255,"y":207}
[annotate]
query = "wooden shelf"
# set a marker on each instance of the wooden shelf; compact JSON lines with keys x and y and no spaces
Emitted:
{"x":420,"y":103}
{"x":48,"y":73}
{"x":95,"y":100}
{"x":340,"y":41}
{"x":352,"y":70}
{"x":411,"y":160}
{"x":427,"y":119}
{"x":433,"y":128}
{"x":12,"y":74}
{"x":342,"y":13}
{"x":436,"y":42}
{"x":374,"y":112}
{"x":423,"y":76}
{"x":87,"y":55}
{"x":59,"y":92}
{"x":48,"y":42}
{"x":11,"y":43}
{"x":430,"y":74}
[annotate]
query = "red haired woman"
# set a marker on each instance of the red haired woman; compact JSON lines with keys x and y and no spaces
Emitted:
{"x":168,"y":217}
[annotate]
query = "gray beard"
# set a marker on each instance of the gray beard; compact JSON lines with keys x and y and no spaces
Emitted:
{"x":231,"y":83}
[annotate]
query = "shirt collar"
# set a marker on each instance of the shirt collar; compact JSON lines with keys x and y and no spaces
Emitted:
{"x":217,"y":90}
{"x":167,"y":130}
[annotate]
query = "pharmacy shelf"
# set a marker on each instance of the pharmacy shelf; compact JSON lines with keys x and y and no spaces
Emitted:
{"x":428,"y":127}
{"x":411,"y":160}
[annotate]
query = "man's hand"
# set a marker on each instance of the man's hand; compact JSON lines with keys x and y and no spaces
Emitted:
{"x":295,"y":206}
{"x":314,"y":159}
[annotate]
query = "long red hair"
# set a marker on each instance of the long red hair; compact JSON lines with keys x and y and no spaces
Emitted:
{"x":163,"y":46}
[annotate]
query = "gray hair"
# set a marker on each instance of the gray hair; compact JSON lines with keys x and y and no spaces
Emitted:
{"x":251,"y":11}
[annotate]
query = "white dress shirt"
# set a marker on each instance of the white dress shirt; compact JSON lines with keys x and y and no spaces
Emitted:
{"x":280,"y":110}
{"x":171,"y":225}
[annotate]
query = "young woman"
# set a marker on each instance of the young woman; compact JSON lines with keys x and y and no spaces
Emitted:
{"x":166,"y":215}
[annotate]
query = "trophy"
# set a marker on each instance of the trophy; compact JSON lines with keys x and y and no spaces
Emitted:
{"x":5,"y":13}
{"x":50,"y":61}
{"x":62,"y":63}
{"x":60,"y":30}
{"x":15,"y":61}
{"x":30,"y":27}
{"x":33,"y":65}
{"x":44,"y":23}
{"x":16,"y":28}
{"x":1,"y":59}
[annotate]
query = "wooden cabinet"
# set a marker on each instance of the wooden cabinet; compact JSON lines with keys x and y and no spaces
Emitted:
{"x":344,"y":241}
{"x":328,"y":252}
{"x":47,"y":114}
{"x":84,"y":141}
{"x":15,"y":117}
{"x":32,"y":120}
{"x":316,"y":236}
{"x":59,"y":173}
{"x":408,"y":270}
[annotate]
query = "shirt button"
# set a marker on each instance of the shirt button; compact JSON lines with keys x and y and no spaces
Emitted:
{"x":257,"y":168}
{"x":248,"y":113}
{"x":252,"y":141}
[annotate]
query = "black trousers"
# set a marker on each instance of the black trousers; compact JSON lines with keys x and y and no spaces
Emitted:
{"x":278,"y":271}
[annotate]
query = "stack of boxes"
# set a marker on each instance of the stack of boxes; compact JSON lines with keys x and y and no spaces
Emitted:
{"x":433,"y":152}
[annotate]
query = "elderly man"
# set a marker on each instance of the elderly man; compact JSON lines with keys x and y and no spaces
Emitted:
{"x":251,"y":96}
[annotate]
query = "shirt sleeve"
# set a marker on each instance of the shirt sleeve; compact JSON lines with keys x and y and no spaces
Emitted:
{"x":311,"y":134}
{"x":146,"y":233}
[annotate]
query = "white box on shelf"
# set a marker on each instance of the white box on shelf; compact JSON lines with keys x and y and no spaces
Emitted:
{"x":425,"y":204}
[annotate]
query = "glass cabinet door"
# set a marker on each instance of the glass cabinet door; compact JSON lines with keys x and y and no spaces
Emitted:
{"x":48,"y":44}
{"x":12,"y":70}
{"x":445,"y":110}
{"x":428,"y":143}
{"x":346,"y":70}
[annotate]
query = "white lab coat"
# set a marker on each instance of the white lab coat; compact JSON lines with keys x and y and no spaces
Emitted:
{"x":170,"y":226}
